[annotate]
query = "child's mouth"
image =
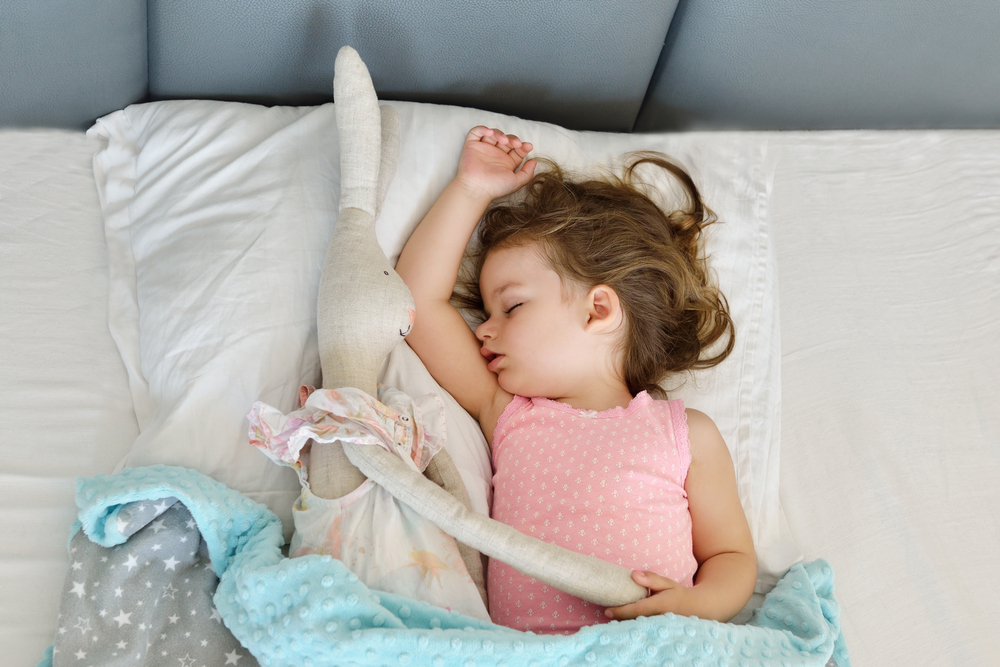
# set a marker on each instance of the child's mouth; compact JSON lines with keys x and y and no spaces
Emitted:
{"x":494,"y":362}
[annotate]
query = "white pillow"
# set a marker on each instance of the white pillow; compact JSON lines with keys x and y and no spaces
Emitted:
{"x":217,"y":219}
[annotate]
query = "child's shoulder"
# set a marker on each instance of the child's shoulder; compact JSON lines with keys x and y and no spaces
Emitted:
{"x":704,"y":438}
{"x":699,"y":422}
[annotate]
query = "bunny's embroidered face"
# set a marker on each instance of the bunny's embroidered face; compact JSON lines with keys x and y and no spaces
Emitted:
{"x":412,"y":314}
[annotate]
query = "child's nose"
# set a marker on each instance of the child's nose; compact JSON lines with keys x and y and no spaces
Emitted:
{"x":485,"y":330}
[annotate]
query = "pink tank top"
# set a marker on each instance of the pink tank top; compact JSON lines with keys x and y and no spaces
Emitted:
{"x":608,"y":484}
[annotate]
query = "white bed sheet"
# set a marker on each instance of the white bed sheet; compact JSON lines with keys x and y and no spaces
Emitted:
{"x":888,"y":250}
{"x":64,"y":402}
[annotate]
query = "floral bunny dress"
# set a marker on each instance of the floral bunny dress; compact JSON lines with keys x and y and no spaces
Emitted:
{"x":386,"y":544}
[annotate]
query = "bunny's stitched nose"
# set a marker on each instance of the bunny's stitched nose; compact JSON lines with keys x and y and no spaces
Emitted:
{"x":413,"y":316}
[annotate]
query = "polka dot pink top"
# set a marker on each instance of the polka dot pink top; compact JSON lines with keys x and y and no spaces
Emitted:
{"x":608,"y":484}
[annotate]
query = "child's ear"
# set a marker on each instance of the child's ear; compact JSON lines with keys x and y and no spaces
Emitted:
{"x":604,"y":310}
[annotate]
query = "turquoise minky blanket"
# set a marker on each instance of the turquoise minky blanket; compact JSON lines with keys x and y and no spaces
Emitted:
{"x":313,"y":611}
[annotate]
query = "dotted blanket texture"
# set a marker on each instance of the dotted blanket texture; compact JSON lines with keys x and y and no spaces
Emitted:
{"x":313,"y":611}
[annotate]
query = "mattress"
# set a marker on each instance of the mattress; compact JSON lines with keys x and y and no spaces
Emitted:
{"x":63,"y":387}
{"x":889,"y":278}
{"x":888,"y":252}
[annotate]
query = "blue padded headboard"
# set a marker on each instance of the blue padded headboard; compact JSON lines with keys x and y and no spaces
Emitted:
{"x":807,"y":64}
{"x":578,"y":63}
{"x":63,"y":63}
{"x":617,"y":65}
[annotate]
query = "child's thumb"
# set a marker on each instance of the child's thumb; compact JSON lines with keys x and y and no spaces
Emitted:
{"x":526,"y":172}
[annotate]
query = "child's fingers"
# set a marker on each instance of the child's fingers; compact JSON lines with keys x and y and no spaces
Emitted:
{"x":520,"y":148}
{"x":647,"y":607}
{"x":653,"y":581}
{"x":657,"y":603}
{"x":478,"y":132}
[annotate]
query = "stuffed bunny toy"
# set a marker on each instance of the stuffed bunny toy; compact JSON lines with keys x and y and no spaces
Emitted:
{"x":364,"y":311}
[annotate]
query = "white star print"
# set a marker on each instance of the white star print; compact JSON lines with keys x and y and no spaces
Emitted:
{"x":78,"y":588}
{"x":121,"y":645}
{"x":157,"y":526}
{"x":132,"y":562}
{"x":122,"y":525}
{"x":215,"y":616}
{"x":169,"y":591}
{"x":161,"y":508}
{"x":157,"y":547}
{"x":187,"y":661}
{"x":118,"y":592}
{"x":80,"y":655}
{"x":173,"y":619}
{"x":77,"y":565}
{"x":171,"y":564}
{"x":233,"y":658}
{"x":123,"y":618}
{"x":83,"y":625}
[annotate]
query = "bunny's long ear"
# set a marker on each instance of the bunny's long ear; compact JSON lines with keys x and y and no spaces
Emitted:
{"x":360,"y":132}
{"x":390,"y":154}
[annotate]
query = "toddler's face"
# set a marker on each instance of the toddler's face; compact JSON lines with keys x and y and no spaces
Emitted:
{"x":534,"y":333}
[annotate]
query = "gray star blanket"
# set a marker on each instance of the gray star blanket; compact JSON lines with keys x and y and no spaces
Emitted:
{"x":147,"y":601}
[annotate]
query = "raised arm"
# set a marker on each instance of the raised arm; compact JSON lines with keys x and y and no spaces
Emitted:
{"x":430,"y":262}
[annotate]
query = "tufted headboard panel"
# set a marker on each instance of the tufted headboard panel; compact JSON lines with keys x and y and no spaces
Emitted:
{"x":617,"y":65}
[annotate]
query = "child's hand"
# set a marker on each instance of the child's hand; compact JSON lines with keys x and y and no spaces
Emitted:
{"x":488,"y":162}
{"x":667,"y":596}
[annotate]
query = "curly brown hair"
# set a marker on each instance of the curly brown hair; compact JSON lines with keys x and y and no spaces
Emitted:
{"x":611,"y":232}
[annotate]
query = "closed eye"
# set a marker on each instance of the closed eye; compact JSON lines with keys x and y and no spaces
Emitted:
{"x":508,"y":311}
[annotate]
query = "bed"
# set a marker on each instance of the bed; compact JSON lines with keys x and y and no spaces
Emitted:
{"x":879,"y":251}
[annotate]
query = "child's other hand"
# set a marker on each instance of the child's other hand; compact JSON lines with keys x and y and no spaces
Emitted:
{"x":667,"y":596}
{"x":489,"y":160}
